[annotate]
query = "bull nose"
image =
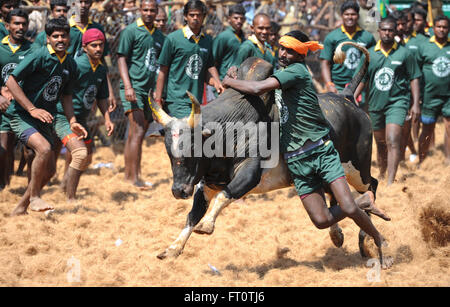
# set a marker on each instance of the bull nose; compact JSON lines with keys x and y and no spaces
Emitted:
{"x":181,"y":193}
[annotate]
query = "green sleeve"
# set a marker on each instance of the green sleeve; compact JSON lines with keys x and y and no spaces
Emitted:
{"x":218,"y":49}
{"x":210,"y":61}
{"x":328,"y":49}
{"x":125,"y":43}
{"x":419,"y":55}
{"x":27,"y":66}
{"x":412,"y":67}
{"x":166,"y":56}
{"x":288,"y":77}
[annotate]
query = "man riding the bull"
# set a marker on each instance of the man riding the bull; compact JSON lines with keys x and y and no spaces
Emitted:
{"x":309,"y":154}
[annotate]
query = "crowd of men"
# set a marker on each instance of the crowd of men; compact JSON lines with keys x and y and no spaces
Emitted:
{"x":49,"y":88}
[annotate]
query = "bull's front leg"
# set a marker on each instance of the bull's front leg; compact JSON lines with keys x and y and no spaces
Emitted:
{"x":247,"y":177}
{"x":206,"y":225}
{"x":202,"y":197}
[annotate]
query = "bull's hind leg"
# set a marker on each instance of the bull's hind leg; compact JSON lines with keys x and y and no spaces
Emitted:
{"x":246,"y":178}
{"x":202,"y":197}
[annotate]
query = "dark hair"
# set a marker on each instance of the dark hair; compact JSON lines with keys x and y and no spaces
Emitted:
{"x":298,"y":35}
{"x":57,"y":24}
{"x":349,"y":5}
{"x":236,"y":9}
{"x":420,"y":11}
{"x":441,"y":17}
{"x":408,"y":11}
{"x":388,"y":19}
{"x":54,"y":3}
{"x":194,"y":5}
{"x":18,"y":13}
{"x":399,"y":15}
{"x":275,"y":27}
{"x":421,"y":5}
{"x":14,"y":2}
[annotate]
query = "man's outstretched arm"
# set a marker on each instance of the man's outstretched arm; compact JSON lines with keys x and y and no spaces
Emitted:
{"x":256,"y":88}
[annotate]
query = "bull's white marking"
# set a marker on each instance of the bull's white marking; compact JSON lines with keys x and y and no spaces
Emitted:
{"x":354,"y":177}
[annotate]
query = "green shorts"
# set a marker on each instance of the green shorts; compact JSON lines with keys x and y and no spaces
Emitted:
{"x":63,"y":131}
{"x":140,"y":104}
{"x":5,"y":123}
{"x":394,"y":113}
{"x":432,"y":107}
{"x":313,"y":168}
{"x":178,"y":109}
{"x":24,"y":125}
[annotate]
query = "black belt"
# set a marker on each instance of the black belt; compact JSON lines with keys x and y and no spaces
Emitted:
{"x":309,"y":145}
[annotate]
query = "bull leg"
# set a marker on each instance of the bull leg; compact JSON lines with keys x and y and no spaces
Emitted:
{"x":246,"y":178}
{"x":206,"y":225}
{"x":202,"y":198}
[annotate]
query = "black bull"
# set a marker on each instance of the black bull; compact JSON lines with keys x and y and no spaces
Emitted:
{"x":222,"y":180}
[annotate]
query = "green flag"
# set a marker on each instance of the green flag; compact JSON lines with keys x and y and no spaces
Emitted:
{"x":383,"y":7}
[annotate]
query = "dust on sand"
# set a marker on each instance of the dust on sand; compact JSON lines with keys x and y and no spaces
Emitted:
{"x":112,"y":235}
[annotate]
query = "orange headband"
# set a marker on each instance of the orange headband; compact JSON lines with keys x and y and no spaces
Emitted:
{"x":299,"y":47}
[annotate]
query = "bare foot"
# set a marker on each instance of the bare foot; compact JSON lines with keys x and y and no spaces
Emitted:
{"x":19,"y":210}
{"x":366,"y":202}
{"x":38,"y":205}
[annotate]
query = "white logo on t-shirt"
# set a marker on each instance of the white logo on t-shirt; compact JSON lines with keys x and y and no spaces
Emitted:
{"x":194,"y":66}
{"x":52,"y":89}
{"x":384,"y":78}
{"x":441,"y":67}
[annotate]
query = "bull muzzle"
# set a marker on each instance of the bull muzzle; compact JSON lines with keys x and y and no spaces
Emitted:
{"x":183,"y":191}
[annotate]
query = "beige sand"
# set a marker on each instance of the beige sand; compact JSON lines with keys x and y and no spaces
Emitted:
{"x":78,"y":244}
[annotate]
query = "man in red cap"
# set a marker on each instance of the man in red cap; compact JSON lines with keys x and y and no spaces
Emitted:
{"x":310,"y":155}
{"x":90,"y":85}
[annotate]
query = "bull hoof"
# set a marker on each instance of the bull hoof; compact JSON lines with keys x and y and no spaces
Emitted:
{"x":169,"y":253}
{"x":336,"y":235}
{"x":204,"y":228}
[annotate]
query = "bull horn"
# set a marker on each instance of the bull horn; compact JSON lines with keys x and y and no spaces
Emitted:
{"x":194,"y":117}
{"x":162,"y":117}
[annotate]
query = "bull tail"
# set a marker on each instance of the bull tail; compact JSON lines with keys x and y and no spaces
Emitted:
{"x":339,"y":57}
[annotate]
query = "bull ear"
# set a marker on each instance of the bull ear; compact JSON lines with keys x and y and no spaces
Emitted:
{"x":161,"y":115}
{"x":194,"y":117}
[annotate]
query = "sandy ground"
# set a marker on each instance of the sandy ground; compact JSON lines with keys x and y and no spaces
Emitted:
{"x":112,"y":235}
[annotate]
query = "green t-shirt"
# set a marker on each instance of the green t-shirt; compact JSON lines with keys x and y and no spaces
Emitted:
{"x":141,"y":48}
{"x":341,"y":74}
{"x":3,"y":31}
{"x":389,"y":76}
{"x":412,"y":43}
{"x":91,"y":84}
{"x":10,"y":56}
{"x":45,"y":78}
{"x":225,"y":48}
{"x":76,"y":35}
{"x":253,"y":48}
{"x":301,"y":118}
{"x":188,"y":62}
{"x":40,"y":40}
{"x":435,"y":62}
